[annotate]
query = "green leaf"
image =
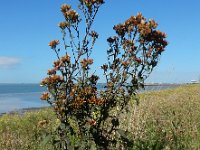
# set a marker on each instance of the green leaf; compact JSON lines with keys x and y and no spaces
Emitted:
{"x":46,"y":139}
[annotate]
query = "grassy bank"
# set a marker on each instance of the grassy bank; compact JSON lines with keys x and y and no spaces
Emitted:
{"x":169,"y":119}
{"x":26,"y":131}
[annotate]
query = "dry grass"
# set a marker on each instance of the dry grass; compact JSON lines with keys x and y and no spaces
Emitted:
{"x":168,"y":119}
{"x":21,"y":132}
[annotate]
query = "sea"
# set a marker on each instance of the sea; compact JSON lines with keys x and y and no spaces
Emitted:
{"x":16,"y":97}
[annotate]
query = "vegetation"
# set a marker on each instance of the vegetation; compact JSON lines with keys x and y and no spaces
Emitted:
{"x":167,"y":119}
{"x":88,"y":118}
{"x":26,"y":131}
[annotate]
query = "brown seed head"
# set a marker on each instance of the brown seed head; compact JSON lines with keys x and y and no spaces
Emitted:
{"x":42,"y":123}
{"x":45,"y":96}
{"x":63,"y":25}
{"x":51,"y":72}
{"x":66,"y":58}
{"x":53,"y":43}
{"x":104,"y":67}
{"x":65,"y":8}
{"x":71,"y":16}
{"x":94,"y":34}
{"x":86,"y":62}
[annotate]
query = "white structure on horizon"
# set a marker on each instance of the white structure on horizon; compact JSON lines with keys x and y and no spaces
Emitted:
{"x":193,"y":81}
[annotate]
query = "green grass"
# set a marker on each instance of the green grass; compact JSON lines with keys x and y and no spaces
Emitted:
{"x":168,"y":119}
{"x":26,"y":131}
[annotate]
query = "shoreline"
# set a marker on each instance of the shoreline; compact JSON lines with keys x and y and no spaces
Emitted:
{"x":23,"y":110}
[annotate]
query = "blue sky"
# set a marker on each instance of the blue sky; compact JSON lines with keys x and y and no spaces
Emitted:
{"x":26,"y":27}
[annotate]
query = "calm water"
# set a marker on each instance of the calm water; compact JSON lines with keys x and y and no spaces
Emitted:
{"x":14,"y":97}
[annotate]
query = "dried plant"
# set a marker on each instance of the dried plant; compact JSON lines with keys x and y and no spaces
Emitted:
{"x":89,"y":118}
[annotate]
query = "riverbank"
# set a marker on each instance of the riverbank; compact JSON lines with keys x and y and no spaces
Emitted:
{"x":166,"y":119}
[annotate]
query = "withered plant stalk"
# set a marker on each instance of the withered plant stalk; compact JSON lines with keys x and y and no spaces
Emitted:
{"x":89,"y":118}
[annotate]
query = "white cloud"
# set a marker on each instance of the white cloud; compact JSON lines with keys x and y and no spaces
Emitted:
{"x":8,"y":61}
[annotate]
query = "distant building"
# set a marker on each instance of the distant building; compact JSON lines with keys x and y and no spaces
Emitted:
{"x":193,"y":81}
